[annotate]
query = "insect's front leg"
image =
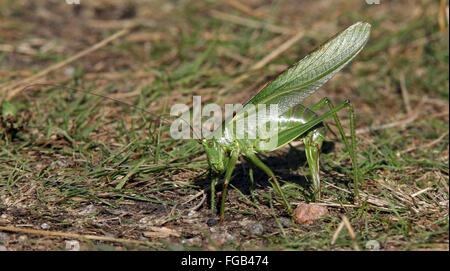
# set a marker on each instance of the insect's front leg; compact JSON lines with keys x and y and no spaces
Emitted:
{"x":214,"y":180}
{"x":230,"y":167}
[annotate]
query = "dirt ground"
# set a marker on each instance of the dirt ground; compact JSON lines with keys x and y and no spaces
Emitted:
{"x":82,"y":172}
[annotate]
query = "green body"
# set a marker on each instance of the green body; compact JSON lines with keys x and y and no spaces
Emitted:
{"x":294,"y":121}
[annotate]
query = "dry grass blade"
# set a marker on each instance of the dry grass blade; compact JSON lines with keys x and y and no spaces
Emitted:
{"x":280,"y":49}
{"x":72,"y":235}
{"x":12,"y":49}
{"x":198,"y":205}
{"x":394,"y":124}
{"x":288,"y":44}
{"x":275,"y":53}
{"x":432,"y":143}
{"x":337,"y":232}
{"x":249,"y":22}
{"x":161,"y":232}
{"x":442,"y":181}
{"x":351,"y":231}
{"x":242,"y":7}
{"x":14,"y":87}
{"x":443,"y":12}
{"x":405,"y":94}
{"x":421,"y":192}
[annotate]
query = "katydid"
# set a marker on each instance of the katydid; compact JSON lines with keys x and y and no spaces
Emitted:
{"x":295,"y":121}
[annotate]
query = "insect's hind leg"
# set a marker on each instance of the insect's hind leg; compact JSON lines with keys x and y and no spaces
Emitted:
{"x":350,"y":147}
{"x":313,"y":144}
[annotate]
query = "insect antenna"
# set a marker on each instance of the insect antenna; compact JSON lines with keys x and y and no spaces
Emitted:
{"x":155,"y":118}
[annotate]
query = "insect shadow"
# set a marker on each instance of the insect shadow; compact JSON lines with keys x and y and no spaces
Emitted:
{"x":285,"y":166}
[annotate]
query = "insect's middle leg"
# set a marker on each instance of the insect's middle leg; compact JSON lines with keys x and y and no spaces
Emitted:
{"x":275,"y":184}
{"x":252,"y":179}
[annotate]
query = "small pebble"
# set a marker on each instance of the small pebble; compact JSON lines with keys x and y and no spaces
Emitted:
{"x":245,"y":222}
{"x":222,"y":237}
{"x":144,"y":220}
{"x":45,"y":226}
{"x":4,"y":237}
{"x":307,"y":213}
{"x":212,"y":222}
{"x":113,"y":211}
{"x":217,"y":237}
{"x":110,"y":235}
{"x":87,"y":210}
{"x":286,"y":223}
{"x":62,"y":163}
{"x":194,"y":241}
{"x":373,"y":245}
{"x":229,"y":237}
{"x":191,"y":213}
{"x":69,"y":71}
{"x":256,"y":229}
{"x":3,"y":219}
{"x":73,"y":245}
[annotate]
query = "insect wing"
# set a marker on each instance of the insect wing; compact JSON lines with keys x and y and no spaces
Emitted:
{"x":303,"y":78}
{"x":297,"y":83}
{"x":289,"y":126}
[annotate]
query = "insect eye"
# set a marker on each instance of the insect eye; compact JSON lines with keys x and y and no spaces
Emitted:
{"x":210,"y":144}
